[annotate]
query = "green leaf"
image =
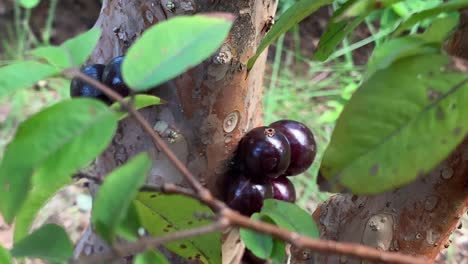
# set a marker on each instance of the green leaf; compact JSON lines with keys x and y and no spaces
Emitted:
{"x":441,"y":28}
{"x":138,"y":102}
{"x":398,"y":125}
{"x":452,"y":5}
{"x":80,"y":47}
{"x":290,"y":216}
{"x":260,"y":244}
{"x":50,"y":242}
{"x":73,"y":52}
{"x":116,"y":194}
{"x":130,"y":225}
{"x":50,"y":146}
{"x":159,"y":218}
{"x":289,"y":19}
{"x":187,"y":41}
{"x":283,"y":214}
{"x":393,"y":50}
{"x":29,"y":3}
{"x":56,"y":56}
{"x":17,"y":76}
{"x":150,"y":257}
{"x":278,"y":254}
{"x":362,"y":7}
{"x":333,"y":36}
{"x":5,"y":256}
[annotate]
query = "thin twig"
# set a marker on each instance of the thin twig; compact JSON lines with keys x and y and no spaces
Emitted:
{"x":205,"y":194}
{"x":226,"y":216}
{"x":321,"y":246}
{"x":151,"y":242}
{"x":169,"y":188}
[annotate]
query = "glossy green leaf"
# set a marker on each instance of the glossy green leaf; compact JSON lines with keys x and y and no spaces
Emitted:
{"x":335,"y":33}
{"x":278,"y":254}
{"x":283,"y":214}
{"x":289,"y":19}
{"x":50,"y":146}
{"x":56,"y":56}
{"x":398,"y":125}
{"x":138,"y":102}
{"x":116,"y":194}
{"x":50,"y":242}
{"x":441,"y":28}
{"x":29,"y":3}
{"x":80,"y":47}
{"x":260,"y":244}
{"x":22,"y":75}
{"x":399,"y":48}
{"x":150,"y":257}
{"x":5,"y":256}
{"x":290,"y":216}
{"x":130,"y":225}
{"x":449,"y":6}
{"x":187,"y":41}
{"x":159,"y":217}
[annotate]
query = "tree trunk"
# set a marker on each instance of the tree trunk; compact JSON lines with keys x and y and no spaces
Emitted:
{"x":417,"y":219}
{"x":209,"y":107}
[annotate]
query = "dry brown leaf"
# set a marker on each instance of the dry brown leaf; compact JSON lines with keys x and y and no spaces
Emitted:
{"x":233,"y":248}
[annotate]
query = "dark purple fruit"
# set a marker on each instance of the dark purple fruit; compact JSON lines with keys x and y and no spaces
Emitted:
{"x":264,"y":153}
{"x":79,"y":88}
{"x":250,"y":258}
{"x":302,"y":142}
{"x":283,"y":189}
{"x":246,"y":196}
{"x":112,"y":76}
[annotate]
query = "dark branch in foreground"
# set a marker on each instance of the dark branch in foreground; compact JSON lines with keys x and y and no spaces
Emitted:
{"x":226,"y":217}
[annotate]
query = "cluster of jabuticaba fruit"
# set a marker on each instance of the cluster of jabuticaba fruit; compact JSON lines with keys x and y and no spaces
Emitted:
{"x":110,"y":75}
{"x":266,"y":156}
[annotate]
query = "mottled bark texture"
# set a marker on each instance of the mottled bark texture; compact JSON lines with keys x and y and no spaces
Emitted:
{"x":417,"y":219}
{"x":209,"y":107}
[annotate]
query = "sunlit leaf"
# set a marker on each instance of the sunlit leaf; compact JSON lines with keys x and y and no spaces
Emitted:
{"x":187,"y":41}
{"x":418,"y":117}
{"x":116,"y":194}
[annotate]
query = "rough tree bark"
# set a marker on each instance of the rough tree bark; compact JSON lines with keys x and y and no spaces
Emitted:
{"x":417,"y":219}
{"x":209,"y":107}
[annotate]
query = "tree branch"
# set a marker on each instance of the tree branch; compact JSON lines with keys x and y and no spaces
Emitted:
{"x":321,"y":246}
{"x":146,"y":243}
{"x":226,"y":216}
{"x":167,"y":188}
{"x":205,"y":194}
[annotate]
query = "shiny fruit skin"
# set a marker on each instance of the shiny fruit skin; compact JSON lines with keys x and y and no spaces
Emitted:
{"x":78,"y":88}
{"x":302,"y":143}
{"x":283,"y":189}
{"x":112,"y":76}
{"x":264,"y":153}
{"x":246,"y":196}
